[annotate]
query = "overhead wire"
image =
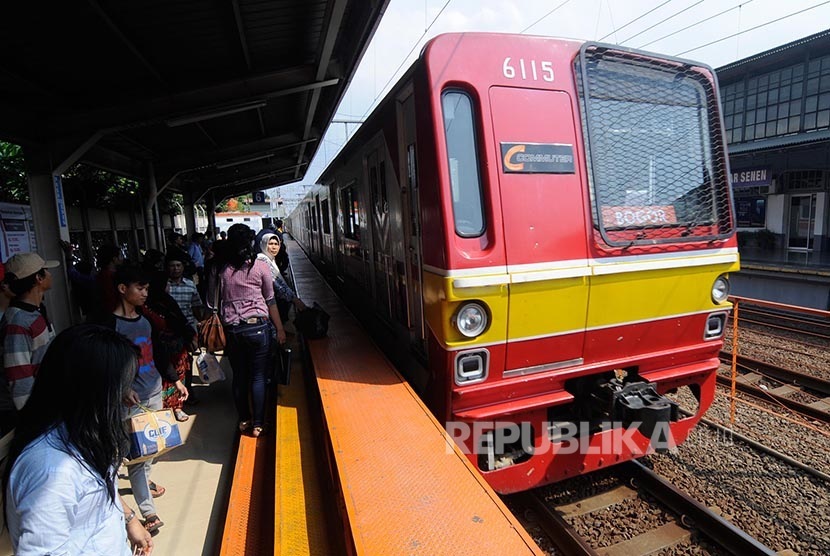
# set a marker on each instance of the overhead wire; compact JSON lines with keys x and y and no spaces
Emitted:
{"x":638,"y":18}
{"x":405,"y":58}
{"x":753,"y":28}
{"x":522,"y":32}
{"x":695,"y":24}
{"x":662,"y":21}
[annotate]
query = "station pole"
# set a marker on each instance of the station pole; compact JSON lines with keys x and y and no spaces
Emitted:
{"x":51,"y":226}
{"x":151,"y":225}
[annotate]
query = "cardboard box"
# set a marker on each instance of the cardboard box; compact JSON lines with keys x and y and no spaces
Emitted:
{"x":152,"y":433}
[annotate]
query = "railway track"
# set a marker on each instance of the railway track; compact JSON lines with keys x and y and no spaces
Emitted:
{"x":689,"y":516}
{"x":783,"y":386}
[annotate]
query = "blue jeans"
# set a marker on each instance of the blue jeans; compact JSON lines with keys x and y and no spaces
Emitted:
{"x":248,"y":346}
{"x":140,"y":473}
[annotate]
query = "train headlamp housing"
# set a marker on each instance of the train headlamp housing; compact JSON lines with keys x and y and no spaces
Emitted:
{"x":471,"y":319}
{"x":720,"y":289}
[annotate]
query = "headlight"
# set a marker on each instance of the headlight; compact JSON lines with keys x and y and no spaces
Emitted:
{"x":720,"y":289}
{"x":471,"y":319}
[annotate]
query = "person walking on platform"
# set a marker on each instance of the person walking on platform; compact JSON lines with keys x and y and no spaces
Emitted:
{"x":25,"y":331}
{"x":247,"y":304}
{"x":173,"y":339}
{"x":282,"y":257}
{"x":60,"y":481}
{"x":132,"y":285}
{"x":269,"y":245}
{"x":184,"y":292}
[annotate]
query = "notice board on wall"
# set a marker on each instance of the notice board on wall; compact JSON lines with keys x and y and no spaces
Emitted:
{"x":17,"y":230}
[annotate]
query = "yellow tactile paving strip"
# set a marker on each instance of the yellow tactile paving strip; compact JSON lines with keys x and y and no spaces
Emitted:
{"x":407,"y":488}
{"x":299,"y":514}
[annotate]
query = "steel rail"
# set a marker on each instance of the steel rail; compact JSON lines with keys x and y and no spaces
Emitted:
{"x":708,"y":522}
{"x":787,"y":376}
{"x":768,"y":396}
{"x":560,"y":532}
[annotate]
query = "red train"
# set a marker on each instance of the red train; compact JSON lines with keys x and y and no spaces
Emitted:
{"x":541,"y":231}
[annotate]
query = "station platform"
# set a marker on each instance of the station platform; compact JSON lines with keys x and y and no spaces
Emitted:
{"x":196,"y":477}
{"x":780,"y":276}
{"x":401,"y":485}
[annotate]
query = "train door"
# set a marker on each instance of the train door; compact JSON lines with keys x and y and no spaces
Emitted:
{"x":543,"y":211}
{"x":318,"y":226}
{"x":411,"y":212}
{"x":382,"y":259}
{"x":308,"y":227}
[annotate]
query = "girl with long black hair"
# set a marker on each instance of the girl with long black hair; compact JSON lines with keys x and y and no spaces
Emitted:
{"x":60,"y":482}
{"x":247,"y":304}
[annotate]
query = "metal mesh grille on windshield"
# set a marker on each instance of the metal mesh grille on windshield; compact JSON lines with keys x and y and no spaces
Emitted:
{"x":657,"y":162}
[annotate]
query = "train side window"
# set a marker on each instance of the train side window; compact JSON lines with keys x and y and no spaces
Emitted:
{"x":324,"y":209}
{"x":462,"y":159}
{"x":349,"y":213}
{"x":314,"y":218}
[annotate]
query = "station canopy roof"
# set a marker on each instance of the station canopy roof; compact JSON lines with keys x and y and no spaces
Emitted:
{"x":226,"y":96}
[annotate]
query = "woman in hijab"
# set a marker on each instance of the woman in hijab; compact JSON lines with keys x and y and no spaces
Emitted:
{"x":269,"y":246}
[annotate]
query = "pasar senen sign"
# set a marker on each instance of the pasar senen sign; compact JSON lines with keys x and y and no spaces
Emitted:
{"x":751,"y":177}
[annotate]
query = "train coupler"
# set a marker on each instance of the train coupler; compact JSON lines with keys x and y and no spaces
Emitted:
{"x":637,"y":404}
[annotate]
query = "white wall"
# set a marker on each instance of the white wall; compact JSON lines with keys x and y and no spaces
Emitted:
{"x":775,"y":213}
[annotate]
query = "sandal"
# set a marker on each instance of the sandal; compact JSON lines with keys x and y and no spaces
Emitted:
{"x":181,"y":416}
{"x":156,"y":491}
{"x":244,"y":425}
{"x":152,"y":523}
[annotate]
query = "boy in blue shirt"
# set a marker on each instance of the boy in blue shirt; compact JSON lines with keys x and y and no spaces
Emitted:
{"x":132,"y":285}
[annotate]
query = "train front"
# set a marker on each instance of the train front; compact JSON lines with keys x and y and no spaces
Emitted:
{"x":586,"y":240}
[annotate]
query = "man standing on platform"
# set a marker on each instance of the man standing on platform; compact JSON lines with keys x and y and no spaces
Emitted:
{"x":183,"y":291}
{"x":25,"y":331}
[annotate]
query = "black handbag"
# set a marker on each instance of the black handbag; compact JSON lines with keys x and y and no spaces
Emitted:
{"x":312,"y":322}
{"x":284,"y":372}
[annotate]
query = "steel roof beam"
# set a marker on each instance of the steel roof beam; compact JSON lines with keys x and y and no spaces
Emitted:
{"x":197,"y":159}
{"x":157,"y":110}
{"x":126,"y":41}
{"x":240,"y":29}
{"x":326,"y":50}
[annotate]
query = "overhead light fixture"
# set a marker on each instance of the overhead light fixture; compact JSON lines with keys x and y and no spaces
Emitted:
{"x":218,"y":113}
{"x":241,"y":162}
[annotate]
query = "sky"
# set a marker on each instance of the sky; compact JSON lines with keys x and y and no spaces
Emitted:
{"x":737,"y":29}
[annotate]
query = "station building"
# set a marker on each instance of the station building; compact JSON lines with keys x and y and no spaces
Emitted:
{"x":776,"y":108}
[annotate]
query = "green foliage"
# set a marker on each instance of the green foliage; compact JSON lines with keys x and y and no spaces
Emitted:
{"x":101,"y":188}
{"x":235,"y":204}
{"x":13,"y":186}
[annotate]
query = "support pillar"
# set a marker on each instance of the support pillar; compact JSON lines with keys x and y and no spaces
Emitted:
{"x":189,"y":214}
{"x":151,"y":228}
{"x":51,"y":225}
{"x":89,"y":249}
{"x":211,"y":215}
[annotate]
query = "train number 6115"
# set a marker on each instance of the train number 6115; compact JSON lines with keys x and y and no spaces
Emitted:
{"x":545,"y":69}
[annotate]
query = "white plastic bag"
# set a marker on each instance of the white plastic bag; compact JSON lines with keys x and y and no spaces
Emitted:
{"x":209,"y":368}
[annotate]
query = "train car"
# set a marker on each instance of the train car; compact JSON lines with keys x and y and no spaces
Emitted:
{"x":544,"y":229}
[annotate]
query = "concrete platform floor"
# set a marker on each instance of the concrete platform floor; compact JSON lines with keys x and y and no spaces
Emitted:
{"x":197,"y":477}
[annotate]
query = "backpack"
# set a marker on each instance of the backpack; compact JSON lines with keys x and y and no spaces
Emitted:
{"x":312,"y":322}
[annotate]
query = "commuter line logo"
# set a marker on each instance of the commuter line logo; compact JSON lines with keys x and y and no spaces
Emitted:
{"x":537,"y":158}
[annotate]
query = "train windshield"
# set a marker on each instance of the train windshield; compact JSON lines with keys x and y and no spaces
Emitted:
{"x":655,"y":151}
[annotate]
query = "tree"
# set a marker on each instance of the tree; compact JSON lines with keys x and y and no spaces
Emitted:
{"x":13,"y":186}
{"x":241,"y":203}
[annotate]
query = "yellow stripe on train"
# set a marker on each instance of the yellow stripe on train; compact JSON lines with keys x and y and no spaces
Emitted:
{"x":555,"y":301}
